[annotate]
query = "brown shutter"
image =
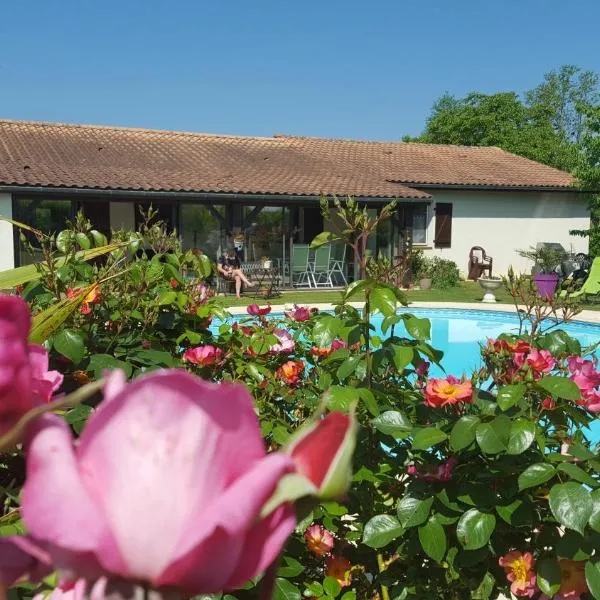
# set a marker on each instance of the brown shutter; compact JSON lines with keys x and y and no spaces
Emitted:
{"x":443,"y":225}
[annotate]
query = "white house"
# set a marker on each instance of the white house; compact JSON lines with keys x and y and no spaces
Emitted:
{"x":266,"y":189}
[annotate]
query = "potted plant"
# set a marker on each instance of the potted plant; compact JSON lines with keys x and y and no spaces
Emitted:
{"x":546,"y":261}
{"x":424,"y":273}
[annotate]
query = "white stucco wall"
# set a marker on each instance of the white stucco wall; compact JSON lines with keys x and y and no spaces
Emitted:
{"x":503,"y":222}
{"x":122,"y":215}
{"x":7,"y":248}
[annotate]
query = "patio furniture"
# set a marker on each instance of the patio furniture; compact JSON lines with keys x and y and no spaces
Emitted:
{"x":479,"y":263}
{"x":337,"y":264}
{"x":320,"y":269}
{"x":591,"y":286}
{"x":301,"y":272}
{"x":267,"y":279}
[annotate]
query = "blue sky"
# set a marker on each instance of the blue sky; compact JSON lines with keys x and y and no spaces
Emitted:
{"x":368,"y":69}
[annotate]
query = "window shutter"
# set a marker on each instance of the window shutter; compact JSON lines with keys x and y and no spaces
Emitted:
{"x":443,"y":225}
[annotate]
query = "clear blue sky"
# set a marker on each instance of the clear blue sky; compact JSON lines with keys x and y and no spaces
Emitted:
{"x":368,"y":69}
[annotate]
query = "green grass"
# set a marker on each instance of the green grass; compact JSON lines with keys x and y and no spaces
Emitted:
{"x":467,"y":291}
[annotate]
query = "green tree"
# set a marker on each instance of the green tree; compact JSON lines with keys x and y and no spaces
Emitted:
{"x":563,"y":96}
{"x":588,"y":174}
{"x":501,"y":120}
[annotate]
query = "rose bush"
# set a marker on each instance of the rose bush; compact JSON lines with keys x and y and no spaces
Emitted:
{"x":463,"y":486}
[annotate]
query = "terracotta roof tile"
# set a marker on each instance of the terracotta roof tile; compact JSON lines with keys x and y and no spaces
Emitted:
{"x":61,"y":155}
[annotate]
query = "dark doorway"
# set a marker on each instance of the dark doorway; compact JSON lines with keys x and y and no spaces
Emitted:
{"x":313,"y":223}
{"x":98,"y":214}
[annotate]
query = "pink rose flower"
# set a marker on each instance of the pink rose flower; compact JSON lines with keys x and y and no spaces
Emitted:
{"x":441,"y":472}
{"x":95,"y":506}
{"x":286,"y":343}
{"x":423,"y":369}
{"x":257,"y":311}
{"x":300,"y":313}
{"x":539,"y":361}
{"x":25,"y":381}
{"x":204,"y":356}
{"x":319,"y":540}
{"x":448,"y":391}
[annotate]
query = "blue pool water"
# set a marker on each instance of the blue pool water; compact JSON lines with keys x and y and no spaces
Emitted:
{"x":458,"y":334}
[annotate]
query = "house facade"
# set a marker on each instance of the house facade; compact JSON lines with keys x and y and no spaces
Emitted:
{"x":262,"y":194}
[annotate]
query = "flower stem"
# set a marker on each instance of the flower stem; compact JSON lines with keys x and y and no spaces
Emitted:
{"x":385,"y":595}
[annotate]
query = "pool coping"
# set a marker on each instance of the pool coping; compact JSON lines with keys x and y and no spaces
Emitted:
{"x":587,"y":316}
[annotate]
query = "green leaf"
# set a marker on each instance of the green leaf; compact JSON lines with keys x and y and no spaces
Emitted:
{"x":315,"y":588}
{"x":325,"y":237}
{"x":380,"y":530}
{"x":574,"y":472}
{"x":394,"y":423}
{"x":485,"y":588}
{"x":101,"y":362}
{"x":331,"y":586}
{"x":13,"y":277}
{"x":350,"y":595}
{"x":420,"y":329}
{"x":535,"y":475}
{"x":548,"y":576}
{"x":428,"y":437}
{"x":369,"y":400}
{"x":592,"y":577}
{"x":83,"y":241}
{"x":595,"y":516}
{"x":463,"y":432}
{"x":509,"y":395}
{"x":325,"y":330}
{"x":560,"y":387}
{"x":474,"y":529}
{"x":167,"y":298}
{"x":44,"y":324}
{"x":403,"y":355}
{"x":384,"y":300}
{"x":413,"y":511}
{"x":571,"y":504}
{"x":433,"y":539}
{"x":493,"y":436}
{"x":291,"y":568}
{"x":70,"y":344}
{"x":285,"y":590}
{"x":348,"y":367}
{"x":522,"y":434}
{"x":517,"y":513}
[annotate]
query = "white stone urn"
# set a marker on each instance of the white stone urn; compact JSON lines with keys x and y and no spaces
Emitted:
{"x":489,"y":285}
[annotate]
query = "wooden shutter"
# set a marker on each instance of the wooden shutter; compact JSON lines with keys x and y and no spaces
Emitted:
{"x":443,"y":225}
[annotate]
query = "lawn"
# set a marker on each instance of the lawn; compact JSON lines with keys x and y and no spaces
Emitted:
{"x":467,"y":291}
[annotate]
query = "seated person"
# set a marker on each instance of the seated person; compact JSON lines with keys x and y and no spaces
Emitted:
{"x":229,"y":267}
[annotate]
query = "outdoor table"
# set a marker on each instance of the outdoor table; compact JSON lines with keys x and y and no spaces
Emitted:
{"x":267,"y":281}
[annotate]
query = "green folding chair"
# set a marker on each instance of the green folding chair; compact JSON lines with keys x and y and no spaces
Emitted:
{"x":300,"y":268}
{"x":337,"y":263}
{"x":321,"y":269}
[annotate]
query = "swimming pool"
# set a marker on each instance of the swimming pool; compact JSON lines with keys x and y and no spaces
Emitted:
{"x":458,"y":334}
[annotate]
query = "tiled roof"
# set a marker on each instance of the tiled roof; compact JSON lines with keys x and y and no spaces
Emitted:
{"x":81,"y":156}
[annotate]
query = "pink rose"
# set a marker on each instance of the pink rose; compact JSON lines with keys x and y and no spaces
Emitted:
{"x":300,"y":313}
{"x":539,"y":361}
{"x":203,"y":356}
{"x":25,"y":381}
{"x":256,"y":311}
{"x":286,"y":343}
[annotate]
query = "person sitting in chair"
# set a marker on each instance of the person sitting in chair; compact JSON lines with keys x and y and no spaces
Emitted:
{"x":229,"y":268}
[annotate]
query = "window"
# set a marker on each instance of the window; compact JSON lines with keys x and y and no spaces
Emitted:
{"x":203,"y":227}
{"x":49,"y":216}
{"x":419,"y":224}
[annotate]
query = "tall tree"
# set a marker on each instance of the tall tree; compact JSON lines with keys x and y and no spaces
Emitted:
{"x":497,"y":120}
{"x":563,"y":95}
{"x":588,"y":174}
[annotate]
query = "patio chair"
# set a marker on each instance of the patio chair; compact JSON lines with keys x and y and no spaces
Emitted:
{"x":301,"y":271}
{"x":321,"y":270}
{"x":337,"y":263}
{"x":479,"y":263}
{"x":591,"y":286}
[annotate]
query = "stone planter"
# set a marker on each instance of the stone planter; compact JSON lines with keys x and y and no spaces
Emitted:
{"x":267,"y":264}
{"x":489,"y":286}
{"x":425,"y":283}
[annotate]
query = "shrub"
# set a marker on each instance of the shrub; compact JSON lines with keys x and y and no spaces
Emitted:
{"x":444,"y":273}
